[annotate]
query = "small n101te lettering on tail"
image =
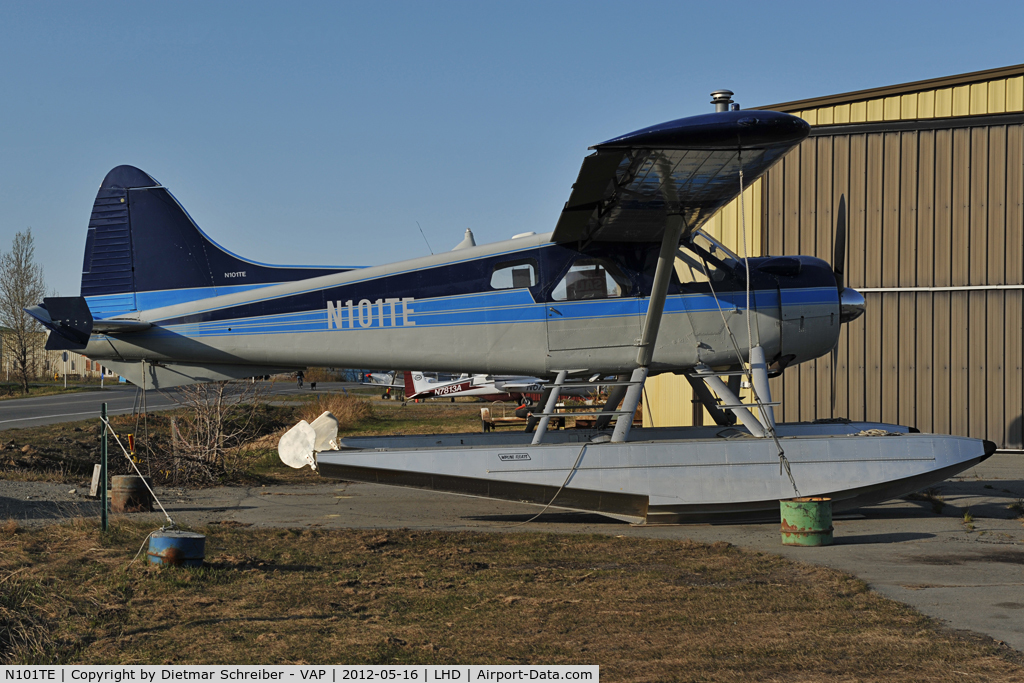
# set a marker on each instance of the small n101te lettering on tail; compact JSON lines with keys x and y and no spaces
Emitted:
{"x":366,"y":313}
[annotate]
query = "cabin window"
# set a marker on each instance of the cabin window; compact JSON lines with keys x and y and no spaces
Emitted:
{"x":591,"y":278}
{"x":514,"y":274}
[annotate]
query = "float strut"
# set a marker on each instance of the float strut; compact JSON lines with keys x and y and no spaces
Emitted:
{"x":549,"y":407}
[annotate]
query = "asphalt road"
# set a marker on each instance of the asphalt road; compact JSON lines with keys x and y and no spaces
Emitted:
{"x":120,"y":399}
{"x":971,"y":578}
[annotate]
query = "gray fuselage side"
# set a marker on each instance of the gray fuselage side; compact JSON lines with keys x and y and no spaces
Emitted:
{"x":547,"y":339}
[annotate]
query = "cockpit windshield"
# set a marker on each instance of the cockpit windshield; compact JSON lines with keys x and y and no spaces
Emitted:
{"x":722,"y":253}
{"x":703,"y":257}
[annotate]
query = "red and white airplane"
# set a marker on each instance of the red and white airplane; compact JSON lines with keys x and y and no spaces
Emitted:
{"x":525,"y":390}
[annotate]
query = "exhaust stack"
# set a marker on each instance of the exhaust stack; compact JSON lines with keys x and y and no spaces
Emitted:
{"x":722,"y":99}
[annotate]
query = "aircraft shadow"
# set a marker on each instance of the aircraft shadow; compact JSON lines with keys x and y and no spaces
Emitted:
{"x":174,"y":508}
{"x":18,"y":509}
{"x":869,"y":539}
{"x":551,"y":518}
{"x":228,"y":620}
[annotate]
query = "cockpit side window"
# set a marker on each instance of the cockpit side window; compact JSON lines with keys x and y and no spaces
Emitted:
{"x":514,"y":274}
{"x":591,"y":278}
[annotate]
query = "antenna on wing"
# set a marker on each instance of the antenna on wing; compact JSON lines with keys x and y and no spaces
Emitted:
{"x":424,"y":237}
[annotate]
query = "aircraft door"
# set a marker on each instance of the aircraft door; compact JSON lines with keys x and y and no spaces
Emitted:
{"x":702,"y":309}
{"x":593,"y":306}
{"x":714,"y":303}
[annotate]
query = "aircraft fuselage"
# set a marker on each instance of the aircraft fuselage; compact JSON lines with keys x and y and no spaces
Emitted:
{"x":521,"y":306}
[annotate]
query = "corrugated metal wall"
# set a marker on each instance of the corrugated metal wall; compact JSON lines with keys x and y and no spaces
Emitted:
{"x":931,"y":206}
{"x":994,"y":96}
{"x":927,"y":209}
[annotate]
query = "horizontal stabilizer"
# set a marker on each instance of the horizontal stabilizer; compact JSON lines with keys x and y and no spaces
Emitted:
{"x":68,"y":319}
{"x":167,"y":375}
{"x":70,"y":322}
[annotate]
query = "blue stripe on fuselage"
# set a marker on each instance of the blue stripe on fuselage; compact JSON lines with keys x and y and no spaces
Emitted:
{"x":449,"y":299}
{"x":501,"y":307}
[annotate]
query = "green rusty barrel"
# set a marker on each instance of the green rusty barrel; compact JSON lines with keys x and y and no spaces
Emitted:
{"x":129,"y":494}
{"x":806,"y":521}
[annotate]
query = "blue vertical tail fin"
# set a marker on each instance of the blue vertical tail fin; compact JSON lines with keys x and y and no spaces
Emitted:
{"x":144,"y":251}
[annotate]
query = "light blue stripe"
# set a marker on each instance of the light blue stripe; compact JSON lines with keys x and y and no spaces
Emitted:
{"x":497,"y":308}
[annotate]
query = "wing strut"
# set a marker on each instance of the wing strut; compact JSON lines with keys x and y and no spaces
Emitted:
{"x":666,"y":263}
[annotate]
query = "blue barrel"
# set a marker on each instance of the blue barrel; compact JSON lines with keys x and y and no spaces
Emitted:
{"x":177,"y":548}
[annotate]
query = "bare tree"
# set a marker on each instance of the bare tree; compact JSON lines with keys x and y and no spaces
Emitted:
{"x":220,"y":421}
{"x":21,"y":286}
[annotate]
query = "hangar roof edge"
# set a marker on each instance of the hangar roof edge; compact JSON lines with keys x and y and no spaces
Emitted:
{"x":900,"y":89}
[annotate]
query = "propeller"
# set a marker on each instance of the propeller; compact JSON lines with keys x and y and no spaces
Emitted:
{"x":851,"y":302}
{"x":839,"y":250}
{"x":839,"y":268}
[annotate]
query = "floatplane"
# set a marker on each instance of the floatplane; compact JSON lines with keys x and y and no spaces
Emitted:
{"x":164,"y":305}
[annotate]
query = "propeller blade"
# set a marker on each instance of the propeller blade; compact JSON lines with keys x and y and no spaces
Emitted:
{"x":839,"y":253}
{"x":835,"y":376}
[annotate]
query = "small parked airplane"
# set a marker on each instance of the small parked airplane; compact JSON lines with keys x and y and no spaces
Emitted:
{"x":163,"y":305}
{"x":419,"y":385}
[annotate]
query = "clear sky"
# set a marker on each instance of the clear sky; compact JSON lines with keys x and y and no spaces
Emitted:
{"x":321,"y":132}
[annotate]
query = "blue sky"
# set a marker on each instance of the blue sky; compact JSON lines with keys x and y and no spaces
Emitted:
{"x":320,"y":133}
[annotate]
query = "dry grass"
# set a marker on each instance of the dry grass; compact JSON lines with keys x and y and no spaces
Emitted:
{"x":642,"y":609}
{"x":933,"y":496}
{"x":392,"y":418}
{"x":348,"y":410}
{"x":66,"y":452}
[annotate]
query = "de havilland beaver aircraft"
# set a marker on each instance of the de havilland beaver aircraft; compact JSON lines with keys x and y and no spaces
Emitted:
{"x":163,"y":305}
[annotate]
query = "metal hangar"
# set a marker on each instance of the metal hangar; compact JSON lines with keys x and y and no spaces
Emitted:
{"x":933,"y":175}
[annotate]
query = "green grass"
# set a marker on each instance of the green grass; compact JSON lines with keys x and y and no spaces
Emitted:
{"x":10,"y":390}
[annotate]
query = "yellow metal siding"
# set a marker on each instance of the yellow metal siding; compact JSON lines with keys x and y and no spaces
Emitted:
{"x":926,"y":208}
{"x":1000,"y":96}
{"x":1013,"y":396}
{"x":1015,"y":94}
{"x":926,"y":104}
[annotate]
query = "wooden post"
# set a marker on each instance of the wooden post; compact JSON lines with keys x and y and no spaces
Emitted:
{"x":94,"y":487}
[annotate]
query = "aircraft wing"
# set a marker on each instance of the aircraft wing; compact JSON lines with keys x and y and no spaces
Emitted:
{"x":631,"y":184}
{"x":505,"y":386}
